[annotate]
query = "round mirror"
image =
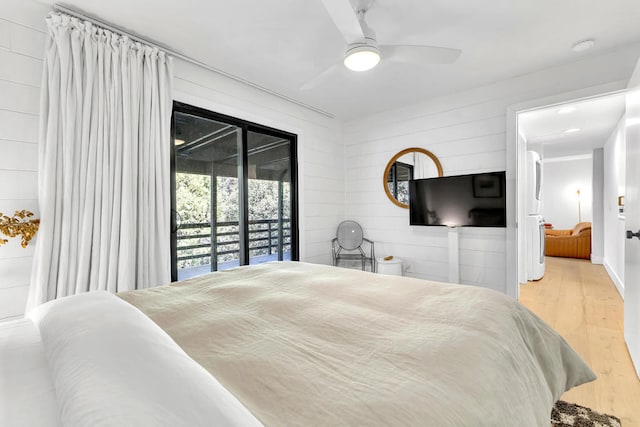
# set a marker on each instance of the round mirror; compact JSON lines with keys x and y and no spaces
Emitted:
{"x":408,"y":164}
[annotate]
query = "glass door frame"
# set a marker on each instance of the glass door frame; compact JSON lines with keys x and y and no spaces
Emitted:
{"x":246,"y":127}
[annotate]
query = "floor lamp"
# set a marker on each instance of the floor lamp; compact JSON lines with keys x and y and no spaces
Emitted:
{"x":579,"y":210}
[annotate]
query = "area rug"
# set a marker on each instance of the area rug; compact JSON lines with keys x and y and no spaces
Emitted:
{"x":566,"y":414}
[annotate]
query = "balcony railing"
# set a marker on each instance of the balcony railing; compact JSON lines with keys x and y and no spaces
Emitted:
{"x":197,"y":246}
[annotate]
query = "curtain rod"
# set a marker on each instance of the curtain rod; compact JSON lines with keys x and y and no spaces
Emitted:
{"x":115,"y":28}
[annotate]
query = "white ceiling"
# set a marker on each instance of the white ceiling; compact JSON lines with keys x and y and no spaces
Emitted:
{"x":281,"y":44}
{"x":596,"y":118}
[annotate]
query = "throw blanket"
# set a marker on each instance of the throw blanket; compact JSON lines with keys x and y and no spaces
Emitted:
{"x":301,"y":345}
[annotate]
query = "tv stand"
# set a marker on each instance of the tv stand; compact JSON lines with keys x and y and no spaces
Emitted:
{"x":454,"y":255}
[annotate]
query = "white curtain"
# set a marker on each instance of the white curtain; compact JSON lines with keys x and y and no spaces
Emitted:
{"x":104,"y":163}
{"x":419,"y":166}
{"x":423,"y":166}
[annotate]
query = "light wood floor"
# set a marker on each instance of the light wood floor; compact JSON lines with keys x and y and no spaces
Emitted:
{"x":579,"y":300}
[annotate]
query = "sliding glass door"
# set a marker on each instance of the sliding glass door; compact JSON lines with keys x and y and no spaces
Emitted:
{"x":269,"y":193}
{"x":233,"y":193}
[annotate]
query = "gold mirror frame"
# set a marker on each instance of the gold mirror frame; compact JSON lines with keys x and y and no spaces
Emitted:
{"x":393,"y":160}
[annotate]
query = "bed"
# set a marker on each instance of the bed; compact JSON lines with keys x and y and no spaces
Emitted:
{"x":27,"y":395}
{"x":297,"y":344}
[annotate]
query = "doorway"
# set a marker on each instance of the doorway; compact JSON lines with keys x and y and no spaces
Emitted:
{"x":584,"y":167}
{"x":233,"y":193}
{"x":594,"y":121}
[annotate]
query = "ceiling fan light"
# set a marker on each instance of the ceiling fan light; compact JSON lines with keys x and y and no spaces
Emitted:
{"x":362,"y":58}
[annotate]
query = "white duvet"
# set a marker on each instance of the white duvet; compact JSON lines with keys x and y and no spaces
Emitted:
{"x":311,"y":345}
{"x":27,"y":396}
{"x":298,"y":344}
{"x":112,"y":366}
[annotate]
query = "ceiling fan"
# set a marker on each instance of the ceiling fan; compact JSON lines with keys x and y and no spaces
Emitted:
{"x":363,"y":51}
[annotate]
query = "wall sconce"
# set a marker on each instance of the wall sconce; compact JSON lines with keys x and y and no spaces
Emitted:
{"x":579,"y":207}
{"x":19,"y":225}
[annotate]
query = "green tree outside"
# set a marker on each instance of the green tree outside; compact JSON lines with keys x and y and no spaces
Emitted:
{"x":193,"y":203}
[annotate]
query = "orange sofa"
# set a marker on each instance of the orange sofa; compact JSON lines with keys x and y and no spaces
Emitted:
{"x":575,"y":243}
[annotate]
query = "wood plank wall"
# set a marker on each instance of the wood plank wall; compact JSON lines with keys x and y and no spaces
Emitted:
{"x":22,"y":34}
{"x":320,"y":145}
{"x":321,"y":152}
{"x":467,"y":132}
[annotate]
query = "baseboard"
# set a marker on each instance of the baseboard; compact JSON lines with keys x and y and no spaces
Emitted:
{"x":633,"y":352}
{"x":597,"y":259}
{"x":614,"y":277}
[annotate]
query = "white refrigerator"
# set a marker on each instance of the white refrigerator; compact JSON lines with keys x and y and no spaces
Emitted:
{"x":535,"y":221}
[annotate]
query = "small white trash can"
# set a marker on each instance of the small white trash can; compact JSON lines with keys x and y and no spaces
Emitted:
{"x":391,"y":267}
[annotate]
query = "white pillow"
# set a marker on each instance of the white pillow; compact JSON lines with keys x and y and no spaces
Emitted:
{"x":113,"y":366}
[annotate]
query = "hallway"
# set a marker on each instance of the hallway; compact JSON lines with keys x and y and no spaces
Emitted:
{"x":579,"y":300}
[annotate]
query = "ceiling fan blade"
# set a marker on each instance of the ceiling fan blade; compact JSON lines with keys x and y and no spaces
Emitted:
{"x":345,"y":19}
{"x":420,"y":54}
{"x":322,"y":77}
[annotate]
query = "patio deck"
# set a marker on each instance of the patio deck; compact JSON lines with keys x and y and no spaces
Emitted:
{"x":188,"y":273}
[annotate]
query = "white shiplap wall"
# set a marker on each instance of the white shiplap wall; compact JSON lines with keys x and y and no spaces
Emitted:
{"x":21,"y":48}
{"x":321,"y":168}
{"x":562,"y":177}
{"x":614,"y":186}
{"x":320,"y":147}
{"x":467,"y":131}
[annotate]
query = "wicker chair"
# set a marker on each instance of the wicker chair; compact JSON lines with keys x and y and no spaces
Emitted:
{"x":575,"y":243}
{"x":350,"y":244}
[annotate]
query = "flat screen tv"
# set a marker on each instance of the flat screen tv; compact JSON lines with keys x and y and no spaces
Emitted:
{"x":476,"y":200}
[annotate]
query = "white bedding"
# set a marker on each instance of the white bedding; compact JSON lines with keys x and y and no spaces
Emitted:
{"x":27,"y":396}
{"x":303,"y":344}
{"x":297,"y":344}
{"x":112,"y":366}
